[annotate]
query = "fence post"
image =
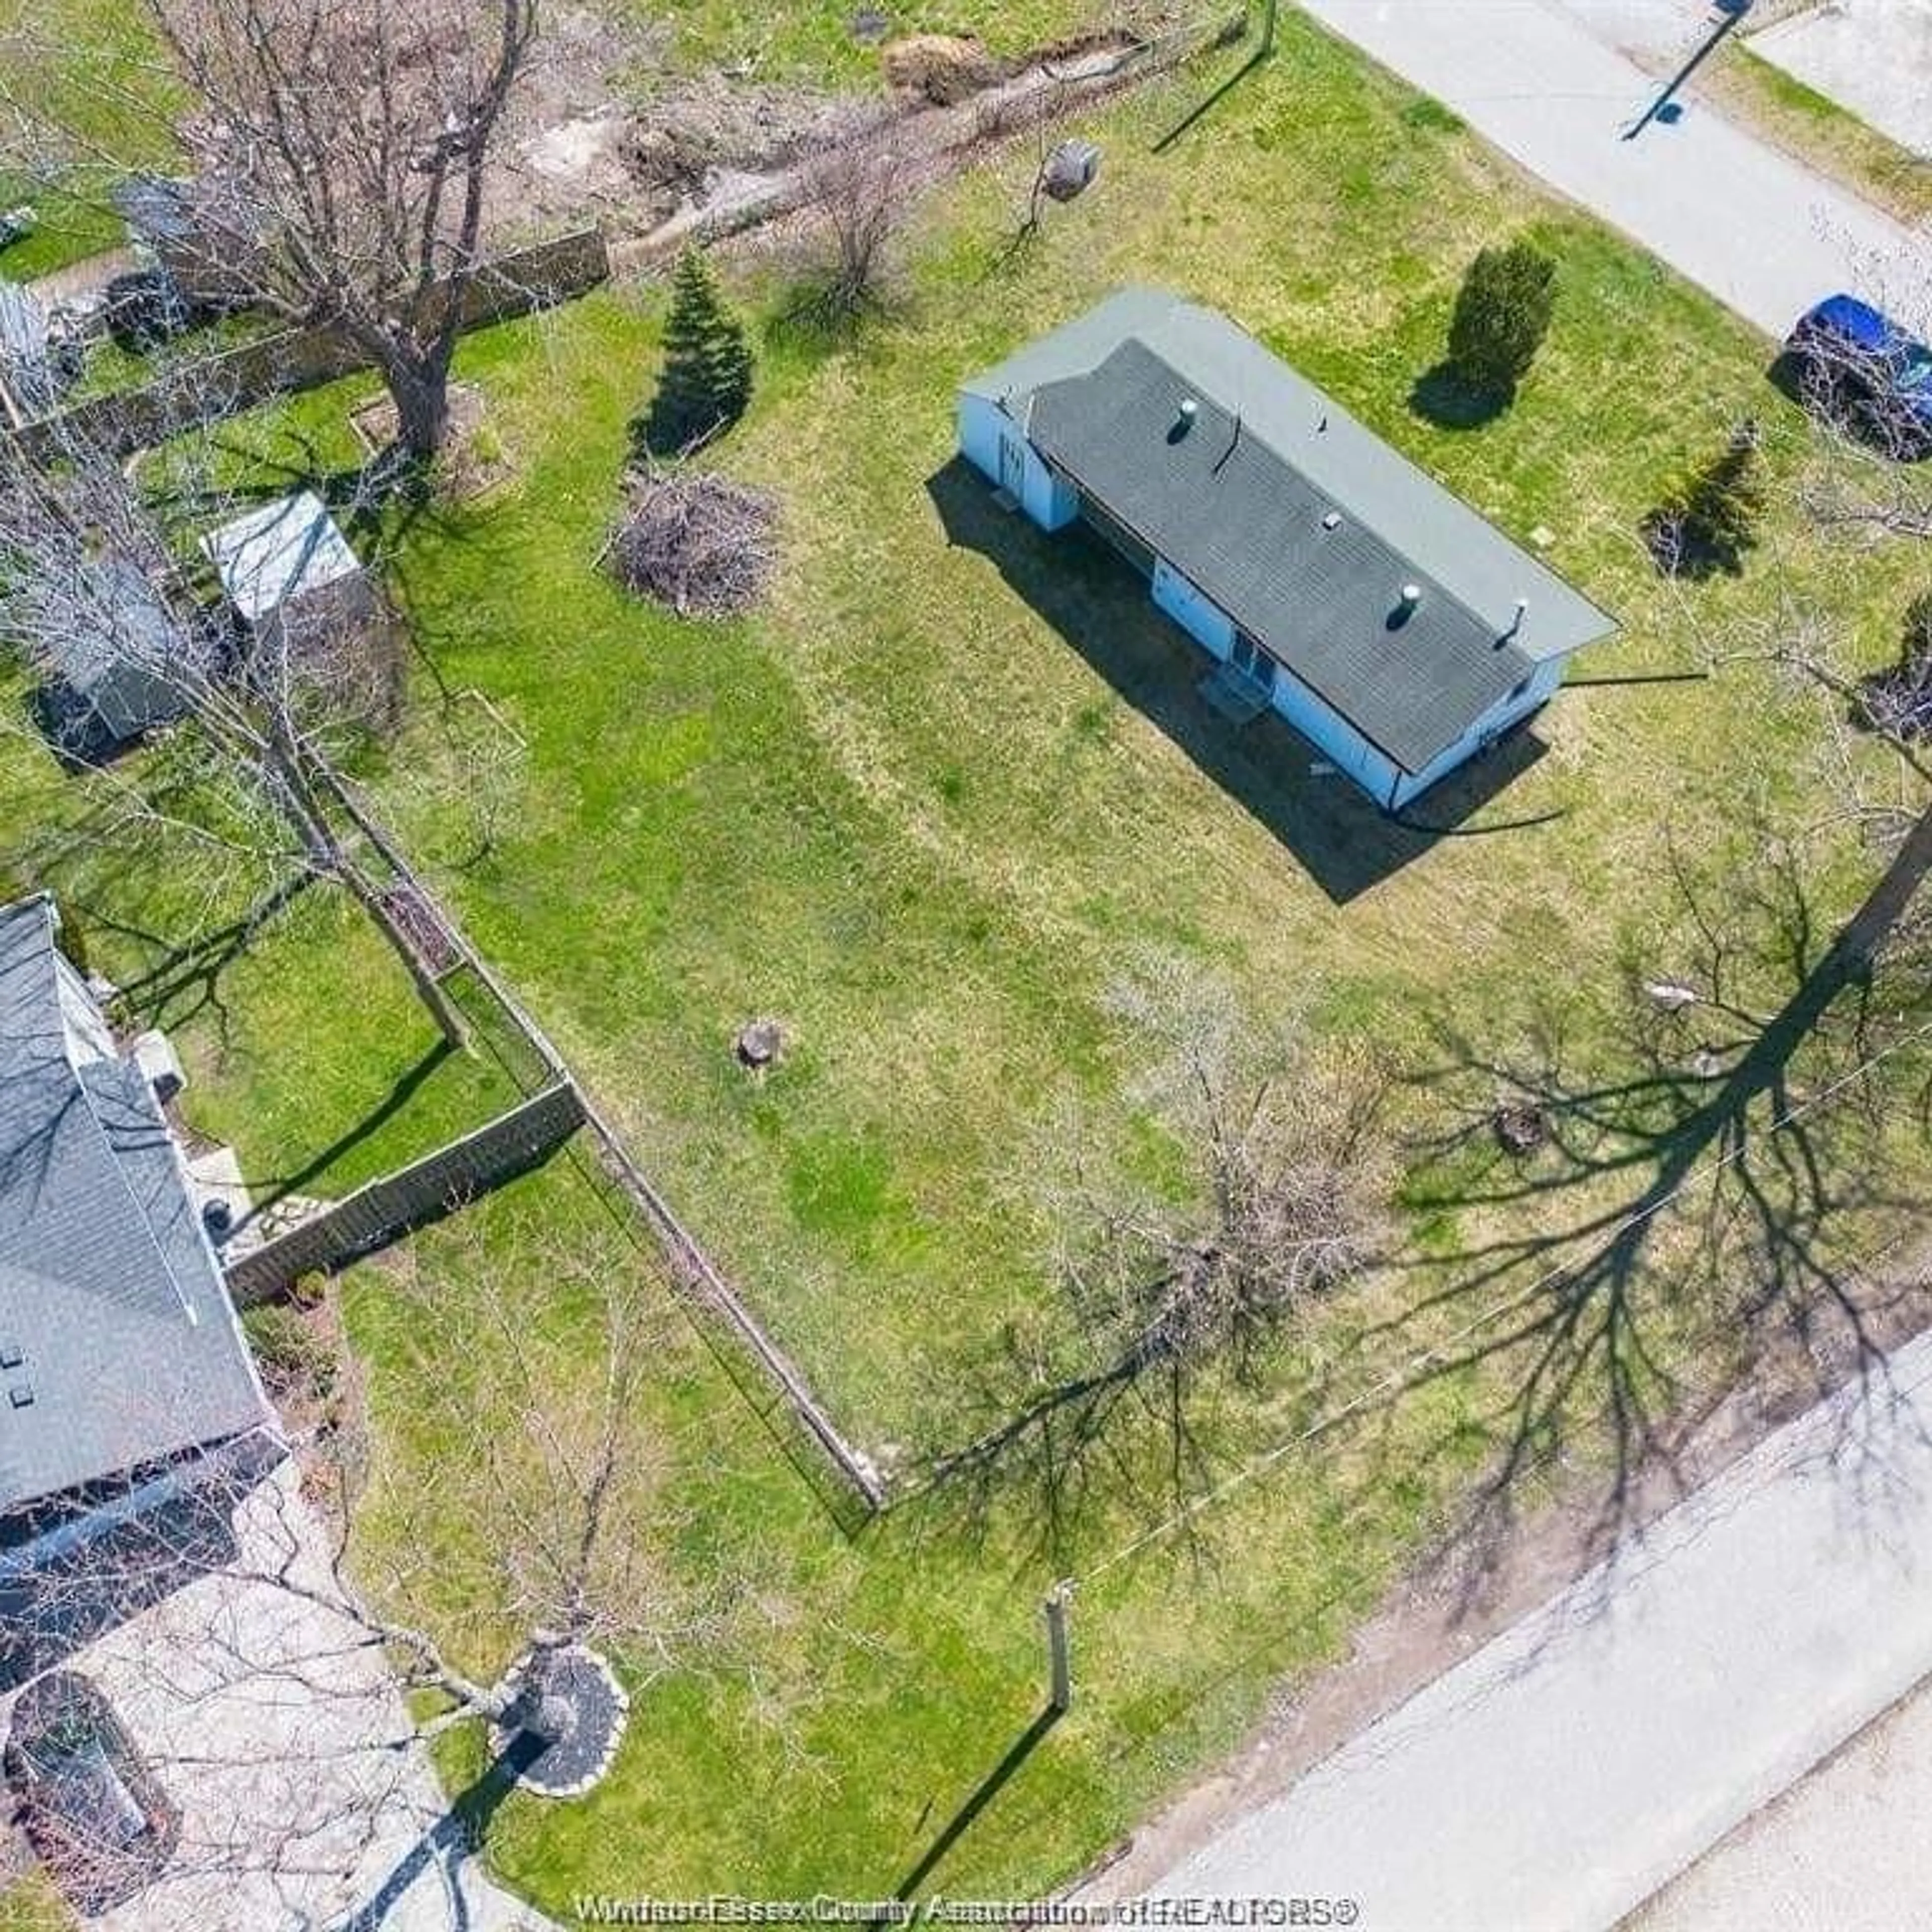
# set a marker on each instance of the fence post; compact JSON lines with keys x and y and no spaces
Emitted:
{"x":1059,"y":1661}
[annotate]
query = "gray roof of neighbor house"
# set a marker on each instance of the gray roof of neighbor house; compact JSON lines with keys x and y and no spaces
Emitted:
{"x":1240,"y":501}
{"x":118,"y":1346}
{"x":24,"y":358}
{"x":116,"y":649}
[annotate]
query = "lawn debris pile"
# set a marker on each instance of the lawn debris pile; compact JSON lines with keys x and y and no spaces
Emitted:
{"x":697,"y":541}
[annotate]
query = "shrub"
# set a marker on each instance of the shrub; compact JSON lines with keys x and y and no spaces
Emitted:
{"x":1502,"y":314}
{"x":1711,"y":520}
{"x":1899,"y":699}
{"x":706,"y":381}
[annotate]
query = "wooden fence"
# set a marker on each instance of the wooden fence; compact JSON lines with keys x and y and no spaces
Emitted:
{"x":207,"y":389}
{"x":691,"y":1268}
{"x":511,"y":1144}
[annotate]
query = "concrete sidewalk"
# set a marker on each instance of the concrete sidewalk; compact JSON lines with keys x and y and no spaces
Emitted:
{"x":1761,"y":232}
{"x":1560,"y":1775}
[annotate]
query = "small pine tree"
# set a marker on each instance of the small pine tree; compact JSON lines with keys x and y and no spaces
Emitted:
{"x":1502,"y":314}
{"x":1899,"y":699}
{"x":706,"y":381}
{"x":1711,"y":522}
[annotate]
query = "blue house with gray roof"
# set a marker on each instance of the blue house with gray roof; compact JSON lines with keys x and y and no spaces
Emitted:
{"x":1392,"y":626}
{"x":131,"y":1418}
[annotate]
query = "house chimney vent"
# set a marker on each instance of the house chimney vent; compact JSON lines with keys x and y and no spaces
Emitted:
{"x":1412,"y":595}
{"x":1189,"y":409}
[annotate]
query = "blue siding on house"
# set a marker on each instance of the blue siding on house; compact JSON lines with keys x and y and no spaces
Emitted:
{"x":991,"y":442}
{"x":1490,"y":726}
{"x":1203,"y":619}
{"x":1334,"y":736}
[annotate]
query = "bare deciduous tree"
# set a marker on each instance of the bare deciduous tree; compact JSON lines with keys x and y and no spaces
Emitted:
{"x":495,"y":1573}
{"x":340,"y":153}
{"x":860,"y":193}
{"x":84,"y":567}
{"x":1284,"y":1204}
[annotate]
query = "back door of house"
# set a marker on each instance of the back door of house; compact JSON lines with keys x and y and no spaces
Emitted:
{"x":1013,"y":465}
{"x":1252,"y":661}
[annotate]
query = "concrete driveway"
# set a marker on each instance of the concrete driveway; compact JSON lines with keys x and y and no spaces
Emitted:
{"x":306,"y":1803}
{"x":1872,"y":56}
{"x":1560,"y":1775}
{"x":1764,"y":235}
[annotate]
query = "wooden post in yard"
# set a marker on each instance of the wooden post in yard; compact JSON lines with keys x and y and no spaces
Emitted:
{"x":1059,"y":1662}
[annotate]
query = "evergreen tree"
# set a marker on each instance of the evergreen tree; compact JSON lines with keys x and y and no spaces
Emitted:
{"x":707,"y":380}
{"x":1502,"y":314}
{"x":1711,"y":522}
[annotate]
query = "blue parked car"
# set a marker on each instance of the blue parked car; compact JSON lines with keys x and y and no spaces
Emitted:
{"x":1853,"y":357}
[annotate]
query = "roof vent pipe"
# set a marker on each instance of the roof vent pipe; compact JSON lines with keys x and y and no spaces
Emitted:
{"x":1516,"y":622}
{"x":1189,"y":409}
{"x":1412,"y":595}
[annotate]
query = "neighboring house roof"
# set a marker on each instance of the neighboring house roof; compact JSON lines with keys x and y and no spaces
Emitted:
{"x":116,"y":649}
{"x":276,"y":554}
{"x":158,"y":208}
{"x":118,"y":1346}
{"x":1237,"y":504}
{"x":24,"y":357}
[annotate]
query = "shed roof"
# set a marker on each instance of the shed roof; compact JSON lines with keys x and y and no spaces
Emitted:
{"x":118,"y":1346}
{"x":1238,"y":505}
{"x":24,"y":357}
{"x":277,"y":553}
{"x":118,"y":648}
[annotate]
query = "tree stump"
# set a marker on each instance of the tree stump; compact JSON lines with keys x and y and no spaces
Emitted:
{"x":1520,"y":1127}
{"x":759,"y":1044}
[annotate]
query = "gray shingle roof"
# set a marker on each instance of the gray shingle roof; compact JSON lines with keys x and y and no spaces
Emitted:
{"x":113,"y":1317}
{"x":116,"y":647}
{"x":1242,"y":515}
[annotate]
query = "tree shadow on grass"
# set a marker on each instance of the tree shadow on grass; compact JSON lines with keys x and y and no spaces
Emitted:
{"x":988,"y":1788}
{"x":1441,"y":396}
{"x":1100,"y":606}
{"x":1696,"y":1194}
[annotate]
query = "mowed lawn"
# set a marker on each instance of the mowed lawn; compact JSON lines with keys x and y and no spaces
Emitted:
{"x":934,"y":803}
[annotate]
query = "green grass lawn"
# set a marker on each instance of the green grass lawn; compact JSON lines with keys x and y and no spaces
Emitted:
{"x":90,"y":69}
{"x":814,"y":41}
{"x":927,"y":808}
{"x":1814,"y":128}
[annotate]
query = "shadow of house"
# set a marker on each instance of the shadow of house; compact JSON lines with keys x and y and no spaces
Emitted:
{"x":131,"y":1417}
{"x":1334,"y":584}
{"x":1077,"y":584}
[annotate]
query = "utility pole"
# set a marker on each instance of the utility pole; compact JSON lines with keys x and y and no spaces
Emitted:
{"x":1732,"y":12}
{"x":1059,"y":1662}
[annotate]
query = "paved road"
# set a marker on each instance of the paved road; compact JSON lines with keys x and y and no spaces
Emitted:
{"x":1759,"y":231}
{"x":1843,"y":1852}
{"x":1557,"y":1777}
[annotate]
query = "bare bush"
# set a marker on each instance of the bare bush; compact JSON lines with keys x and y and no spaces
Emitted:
{"x":697,"y":541}
{"x":1288,"y":1177}
{"x":859,"y":195}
